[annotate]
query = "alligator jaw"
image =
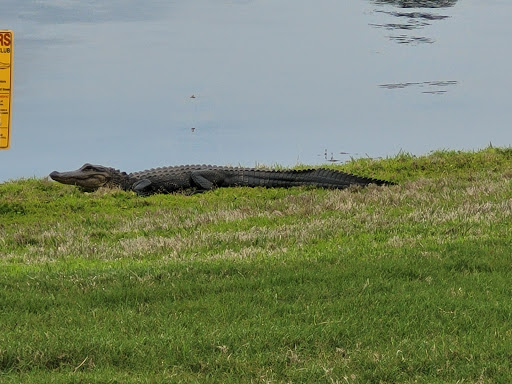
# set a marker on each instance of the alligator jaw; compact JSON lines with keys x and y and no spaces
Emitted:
{"x":88,"y":177}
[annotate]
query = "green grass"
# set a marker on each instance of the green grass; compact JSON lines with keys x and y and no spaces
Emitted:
{"x":401,"y":284}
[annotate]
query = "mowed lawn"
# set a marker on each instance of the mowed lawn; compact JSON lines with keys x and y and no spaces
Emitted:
{"x":403,"y":284}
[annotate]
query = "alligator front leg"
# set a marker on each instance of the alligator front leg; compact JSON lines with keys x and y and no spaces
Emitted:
{"x":207,"y":179}
{"x":143,"y":187}
{"x":146,"y":187}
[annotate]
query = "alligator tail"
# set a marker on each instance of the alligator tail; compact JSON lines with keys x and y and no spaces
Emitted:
{"x":321,"y":177}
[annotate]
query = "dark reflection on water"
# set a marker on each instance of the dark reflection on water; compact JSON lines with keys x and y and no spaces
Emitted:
{"x":410,"y":27}
{"x":410,"y":21}
{"x":432,"y":87}
{"x":418,"y":3}
{"x":418,"y":15}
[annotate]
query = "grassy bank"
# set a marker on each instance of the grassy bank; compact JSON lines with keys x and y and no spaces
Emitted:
{"x":409,"y":283}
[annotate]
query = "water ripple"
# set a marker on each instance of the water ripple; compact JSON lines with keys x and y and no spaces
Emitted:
{"x":405,"y":22}
{"x":432,"y":87}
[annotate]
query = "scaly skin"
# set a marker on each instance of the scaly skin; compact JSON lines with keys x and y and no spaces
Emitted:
{"x":200,"y":178}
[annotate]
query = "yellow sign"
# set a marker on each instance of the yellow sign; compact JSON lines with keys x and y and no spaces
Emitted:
{"x":6,"y":44}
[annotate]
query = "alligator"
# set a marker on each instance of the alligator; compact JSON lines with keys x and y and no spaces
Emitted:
{"x":200,"y":178}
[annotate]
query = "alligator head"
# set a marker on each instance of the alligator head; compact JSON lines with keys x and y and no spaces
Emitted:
{"x":91,"y":177}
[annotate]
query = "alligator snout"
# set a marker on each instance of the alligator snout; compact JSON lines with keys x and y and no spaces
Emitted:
{"x":56,"y":176}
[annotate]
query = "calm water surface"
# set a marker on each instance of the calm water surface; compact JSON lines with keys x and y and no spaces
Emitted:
{"x":136,"y":85}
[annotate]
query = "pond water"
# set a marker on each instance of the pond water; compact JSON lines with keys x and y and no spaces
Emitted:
{"x":136,"y":85}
